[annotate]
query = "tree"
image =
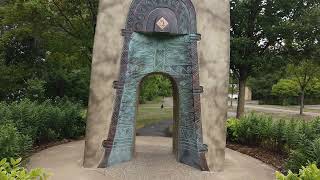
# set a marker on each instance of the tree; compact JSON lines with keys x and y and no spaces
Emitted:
{"x":261,"y":30}
{"x":48,"y":40}
{"x":233,"y":88}
{"x":305,"y":75}
{"x":316,"y":88}
{"x":155,"y":86}
{"x":285,"y":88}
{"x":262,"y":81}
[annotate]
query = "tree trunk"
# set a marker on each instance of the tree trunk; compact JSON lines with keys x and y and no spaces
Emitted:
{"x":60,"y":87}
{"x":302,"y":102}
{"x":241,"y":96}
{"x":232,"y":93}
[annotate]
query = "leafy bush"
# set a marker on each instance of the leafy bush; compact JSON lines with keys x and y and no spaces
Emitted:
{"x":48,"y":121}
{"x":12,"y":171}
{"x":308,"y":151}
{"x":154,"y":86}
{"x":297,"y":139}
{"x":35,"y":89}
{"x":232,"y":126}
{"x":286,"y":87}
{"x":12,"y":142}
{"x":255,"y":130}
{"x":310,"y":172}
{"x":278,"y":135}
{"x":25,"y":123}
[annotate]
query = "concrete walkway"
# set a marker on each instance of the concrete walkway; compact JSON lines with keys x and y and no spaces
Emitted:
{"x":153,"y":161}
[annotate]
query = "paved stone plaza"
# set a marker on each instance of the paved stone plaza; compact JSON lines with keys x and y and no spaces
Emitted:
{"x":154,"y":160}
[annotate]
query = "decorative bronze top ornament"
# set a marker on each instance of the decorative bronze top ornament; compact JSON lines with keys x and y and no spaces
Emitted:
{"x":162,"y":23}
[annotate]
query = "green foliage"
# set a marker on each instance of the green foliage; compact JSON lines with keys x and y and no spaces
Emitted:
{"x":12,"y":171}
{"x":232,"y":129}
{"x":35,"y":89}
{"x":251,"y":129}
{"x":12,"y":142}
{"x":304,"y":73}
{"x":285,"y":88}
{"x":307,"y":151}
{"x":46,"y":121}
{"x":302,"y":79}
{"x":154,"y":86}
{"x":261,"y":84}
{"x":298,"y":139}
{"x":268,"y":34}
{"x":311,"y":172}
{"x":32,"y":57}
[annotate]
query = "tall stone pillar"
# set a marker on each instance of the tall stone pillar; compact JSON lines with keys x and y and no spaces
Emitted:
{"x":105,"y":68}
{"x":214,"y":26}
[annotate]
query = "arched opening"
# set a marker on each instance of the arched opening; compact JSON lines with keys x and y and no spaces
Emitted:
{"x":158,"y":108}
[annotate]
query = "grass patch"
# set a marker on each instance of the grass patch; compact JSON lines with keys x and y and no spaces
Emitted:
{"x":156,"y":101}
{"x":151,"y":113}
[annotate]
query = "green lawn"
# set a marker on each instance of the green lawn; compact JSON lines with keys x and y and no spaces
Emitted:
{"x":151,"y":112}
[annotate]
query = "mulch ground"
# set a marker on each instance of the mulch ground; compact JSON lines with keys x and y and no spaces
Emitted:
{"x":270,"y":158}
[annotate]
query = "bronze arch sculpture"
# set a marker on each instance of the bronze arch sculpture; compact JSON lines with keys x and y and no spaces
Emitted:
{"x":160,"y":37}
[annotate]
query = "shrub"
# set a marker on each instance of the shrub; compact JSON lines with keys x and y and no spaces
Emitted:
{"x":278,"y":135}
{"x":12,"y":142}
{"x":35,"y":89}
{"x":48,"y":121}
{"x":292,"y":133}
{"x":308,"y":151}
{"x":248,"y":130}
{"x":12,"y":171}
{"x":252,"y":129}
{"x":285,"y":88}
{"x":310,"y":172}
{"x":297,"y":139}
{"x":232,"y":126}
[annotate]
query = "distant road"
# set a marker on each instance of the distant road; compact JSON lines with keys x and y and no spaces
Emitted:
{"x":278,"y":109}
{"x":310,"y":110}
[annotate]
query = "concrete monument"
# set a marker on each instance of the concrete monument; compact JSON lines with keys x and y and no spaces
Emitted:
{"x":160,"y":36}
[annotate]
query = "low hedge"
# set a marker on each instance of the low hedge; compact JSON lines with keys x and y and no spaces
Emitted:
{"x":12,"y":142}
{"x":297,"y":139}
{"x":26,"y":123}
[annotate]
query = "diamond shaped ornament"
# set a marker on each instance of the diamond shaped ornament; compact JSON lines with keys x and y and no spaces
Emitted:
{"x":162,"y":23}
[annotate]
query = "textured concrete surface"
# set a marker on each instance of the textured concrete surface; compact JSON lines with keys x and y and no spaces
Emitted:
{"x":154,"y":161}
{"x":105,"y":68}
{"x":213,"y":24}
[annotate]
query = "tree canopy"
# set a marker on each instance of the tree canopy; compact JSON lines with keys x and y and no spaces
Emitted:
{"x":48,"y":42}
{"x":265,"y":32}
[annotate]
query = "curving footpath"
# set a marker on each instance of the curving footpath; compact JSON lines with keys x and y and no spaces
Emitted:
{"x":154,"y":161}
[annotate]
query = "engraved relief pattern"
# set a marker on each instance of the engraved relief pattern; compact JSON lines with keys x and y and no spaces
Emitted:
{"x":175,"y":56}
{"x":148,"y":55}
{"x":140,"y":9}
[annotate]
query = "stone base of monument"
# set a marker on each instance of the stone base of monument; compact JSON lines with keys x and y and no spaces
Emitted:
{"x":153,"y":160}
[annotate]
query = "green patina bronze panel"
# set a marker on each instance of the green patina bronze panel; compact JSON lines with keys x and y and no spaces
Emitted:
{"x":160,"y":37}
